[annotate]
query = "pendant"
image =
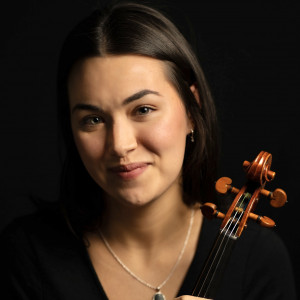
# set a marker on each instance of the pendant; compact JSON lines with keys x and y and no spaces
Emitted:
{"x":158,"y":296}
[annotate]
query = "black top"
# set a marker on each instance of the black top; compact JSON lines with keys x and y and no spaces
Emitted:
{"x":42,"y":259}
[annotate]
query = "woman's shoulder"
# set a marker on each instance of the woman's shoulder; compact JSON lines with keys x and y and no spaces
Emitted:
{"x":37,"y":233}
{"x":38,"y":253}
{"x":262,"y":242}
{"x":40,"y":222}
{"x":255,"y":244}
{"x":259,"y":265}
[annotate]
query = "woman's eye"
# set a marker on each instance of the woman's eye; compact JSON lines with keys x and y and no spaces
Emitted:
{"x":95,"y":120}
{"x":92,"y":120}
{"x":144,"y":110}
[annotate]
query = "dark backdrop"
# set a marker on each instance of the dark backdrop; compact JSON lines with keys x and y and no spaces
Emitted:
{"x":248,"y":51}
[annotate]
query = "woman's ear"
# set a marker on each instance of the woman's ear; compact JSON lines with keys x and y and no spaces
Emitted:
{"x":194,"y":90}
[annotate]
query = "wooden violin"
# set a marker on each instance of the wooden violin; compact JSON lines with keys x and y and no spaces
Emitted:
{"x":258,"y":173}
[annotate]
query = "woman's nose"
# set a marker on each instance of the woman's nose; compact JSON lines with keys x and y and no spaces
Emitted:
{"x":122,"y":139}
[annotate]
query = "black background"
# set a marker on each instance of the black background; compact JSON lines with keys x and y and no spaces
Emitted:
{"x":248,"y":51}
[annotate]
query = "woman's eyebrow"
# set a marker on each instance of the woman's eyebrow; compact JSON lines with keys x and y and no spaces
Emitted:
{"x":139,"y":95}
{"x":82,"y":106}
{"x":135,"y":96}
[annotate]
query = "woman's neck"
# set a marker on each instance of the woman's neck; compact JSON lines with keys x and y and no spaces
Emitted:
{"x":149,"y":241}
{"x":146,"y":226}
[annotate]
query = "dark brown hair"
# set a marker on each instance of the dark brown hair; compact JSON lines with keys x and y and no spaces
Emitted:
{"x":131,"y":28}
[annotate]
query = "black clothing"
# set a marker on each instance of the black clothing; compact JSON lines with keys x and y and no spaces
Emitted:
{"x":42,"y":259}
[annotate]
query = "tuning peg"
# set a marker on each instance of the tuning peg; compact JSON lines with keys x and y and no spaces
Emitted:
{"x":278,"y":197}
{"x":223,"y":185}
{"x":209,"y":210}
{"x":263,"y":221}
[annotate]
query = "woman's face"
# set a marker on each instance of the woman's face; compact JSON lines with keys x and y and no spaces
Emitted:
{"x":130,"y":127}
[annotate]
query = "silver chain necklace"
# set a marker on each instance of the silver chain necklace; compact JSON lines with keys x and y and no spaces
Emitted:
{"x":158,"y":295}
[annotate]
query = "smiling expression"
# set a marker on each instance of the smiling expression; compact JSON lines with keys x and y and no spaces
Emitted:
{"x":129,"y":125}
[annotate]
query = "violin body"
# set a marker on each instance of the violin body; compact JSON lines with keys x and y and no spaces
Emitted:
{"x":258,"y":173}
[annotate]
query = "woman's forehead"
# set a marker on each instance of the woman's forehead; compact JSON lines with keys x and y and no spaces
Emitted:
{"x":117,"y":74}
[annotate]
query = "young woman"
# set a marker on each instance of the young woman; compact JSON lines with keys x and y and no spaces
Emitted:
{"x":139,"y":125}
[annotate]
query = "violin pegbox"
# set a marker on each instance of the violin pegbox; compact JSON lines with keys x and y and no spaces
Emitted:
{"x":258,"y":173}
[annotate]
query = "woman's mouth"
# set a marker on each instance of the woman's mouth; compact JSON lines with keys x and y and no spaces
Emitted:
{"x":129,"y":171}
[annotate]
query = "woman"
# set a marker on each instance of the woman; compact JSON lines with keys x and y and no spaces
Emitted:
{"x":140,"y":130}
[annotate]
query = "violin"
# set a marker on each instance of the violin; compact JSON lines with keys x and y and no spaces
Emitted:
{"x":234,"y":222}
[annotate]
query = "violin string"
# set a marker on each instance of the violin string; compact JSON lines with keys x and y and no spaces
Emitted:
{"x":227,"y":237}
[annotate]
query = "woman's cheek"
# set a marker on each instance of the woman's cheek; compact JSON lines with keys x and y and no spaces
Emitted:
{"x":89,"y":147}
{"x":169,"y":131}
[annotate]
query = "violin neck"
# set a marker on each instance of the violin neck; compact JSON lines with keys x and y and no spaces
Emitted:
{"x":210,"y":278}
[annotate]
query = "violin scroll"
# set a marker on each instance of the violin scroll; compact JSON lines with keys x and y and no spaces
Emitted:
{"x":258,"y":173}
{"x":259,"y":169}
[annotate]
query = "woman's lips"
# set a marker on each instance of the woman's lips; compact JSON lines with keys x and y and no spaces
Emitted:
{"x":129,"y":171}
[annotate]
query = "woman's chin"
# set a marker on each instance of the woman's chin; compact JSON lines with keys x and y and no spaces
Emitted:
{"x":135,"y":202}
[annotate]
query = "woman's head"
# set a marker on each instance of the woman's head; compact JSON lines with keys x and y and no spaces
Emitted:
{"x":130,"y":128}
{"x":134,"y":29}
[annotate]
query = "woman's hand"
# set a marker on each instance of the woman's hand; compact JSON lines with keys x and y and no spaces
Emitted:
{"x":190,"y":298}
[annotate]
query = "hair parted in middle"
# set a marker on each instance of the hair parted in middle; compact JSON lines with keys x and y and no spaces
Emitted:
{"x":136,"y":29}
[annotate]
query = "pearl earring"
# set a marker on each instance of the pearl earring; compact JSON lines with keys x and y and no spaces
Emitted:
{"x":192,"y":136}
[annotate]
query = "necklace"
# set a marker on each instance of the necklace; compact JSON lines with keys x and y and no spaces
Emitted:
{"x":158,"y":295}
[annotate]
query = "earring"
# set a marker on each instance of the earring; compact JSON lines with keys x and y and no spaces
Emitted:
{"x":192,"y":136}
